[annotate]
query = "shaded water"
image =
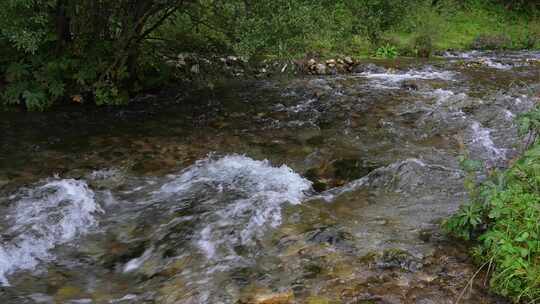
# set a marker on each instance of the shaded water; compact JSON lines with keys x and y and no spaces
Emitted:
{"x":307,"y":190}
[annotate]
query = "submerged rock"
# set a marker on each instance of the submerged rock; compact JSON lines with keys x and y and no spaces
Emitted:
{"x":409,"y":85}
{"x":400,"y":259}
{"x":274,"y":298}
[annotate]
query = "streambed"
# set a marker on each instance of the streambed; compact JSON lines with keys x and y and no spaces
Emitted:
{"x":319,"y":189}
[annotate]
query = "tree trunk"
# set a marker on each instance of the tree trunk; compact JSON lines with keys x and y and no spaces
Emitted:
{"x":62,"y":23}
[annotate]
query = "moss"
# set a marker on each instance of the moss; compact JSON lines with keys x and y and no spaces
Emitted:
{"x":67,"y":293}
{"x":318,"y":300}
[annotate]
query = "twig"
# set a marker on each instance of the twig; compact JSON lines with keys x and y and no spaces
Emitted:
{"x":470,"y":282}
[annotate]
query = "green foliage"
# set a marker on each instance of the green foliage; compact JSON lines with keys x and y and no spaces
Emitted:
{"x":280,"y":27}
{"x":503,"y":219}
{"x":60,"y":48}
{"x":387,"y":51}
{"x":375,"y":17}
{"x":466,"y":221}
{"x":108,"y":50}
{"x":458,"y":24}
{"x":423,"y":45}
{"x":25,"y":23}
{"x":529,"y":122}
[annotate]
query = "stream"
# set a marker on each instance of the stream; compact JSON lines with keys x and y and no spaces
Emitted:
{"x":310,"y":189}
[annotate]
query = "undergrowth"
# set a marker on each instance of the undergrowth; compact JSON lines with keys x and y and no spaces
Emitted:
{"x":502,"y":218}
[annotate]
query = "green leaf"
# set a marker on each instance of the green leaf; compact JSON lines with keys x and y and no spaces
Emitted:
{"x":523,"y":237}
{"x":56,"y":89}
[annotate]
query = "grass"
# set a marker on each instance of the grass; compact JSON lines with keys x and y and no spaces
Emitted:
{"x":459,"y":29}
{"x":331,"y":31}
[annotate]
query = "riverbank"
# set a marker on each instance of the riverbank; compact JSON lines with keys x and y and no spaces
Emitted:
{"x":502,"y":219}
{"x":56,"y":56}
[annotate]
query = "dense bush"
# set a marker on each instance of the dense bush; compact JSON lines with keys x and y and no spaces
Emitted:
{"x":60,"y":48}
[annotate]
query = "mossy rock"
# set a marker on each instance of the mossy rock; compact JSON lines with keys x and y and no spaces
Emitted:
{"x":318,"y":300}
{"x":350,"y":169}
{"x":68,"y":293}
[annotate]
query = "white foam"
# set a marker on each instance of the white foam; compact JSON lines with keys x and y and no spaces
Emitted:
{"x":412,"y":74}
{"x":127,"y":298}
{"x":494,"y":64}
{"x":508,"y":115}
{"x":482,"y":137}
{"x":302,"y":107}
{"x":42,"y":218}
{"x":461,"y":55}
{"x":443,"y":96}
{"x":255,"y":192}
{"x":138,"y":262}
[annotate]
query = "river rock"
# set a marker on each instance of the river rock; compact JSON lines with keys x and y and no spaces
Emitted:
{"x":321,"y":69}
{"x":274,"y":298}
{"x":331,"y":63}
{"x":368,"y":68}
{"x":181,"y":60}
{"x":397,"y":258}
{"x":409,"y":85}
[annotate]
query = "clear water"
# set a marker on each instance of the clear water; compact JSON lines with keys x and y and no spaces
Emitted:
{"x":303,"y":190}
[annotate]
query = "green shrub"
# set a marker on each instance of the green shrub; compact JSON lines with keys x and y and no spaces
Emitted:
{"x":423,"y":45}
{"x":56,"y":49}
{"x":387,"y":51}
{"x":503,"y":219}
{"x":375,"y":17}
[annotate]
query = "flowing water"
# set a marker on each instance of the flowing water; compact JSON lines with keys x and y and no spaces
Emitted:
{"x":305,"y":190}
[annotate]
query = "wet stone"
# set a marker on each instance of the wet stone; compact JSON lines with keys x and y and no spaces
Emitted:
{"x":332,"y":236}
{"x":397,"y":258}
{"x":351,"y":169}
{"x":118,"y":253}
{"x":270,"y":298}
{"x":409,"y":85}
